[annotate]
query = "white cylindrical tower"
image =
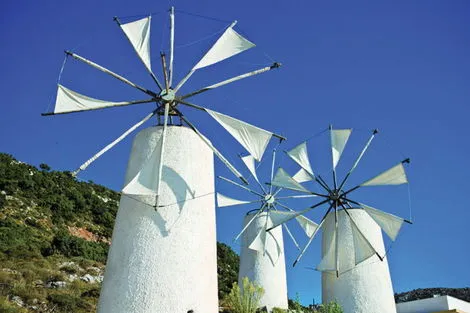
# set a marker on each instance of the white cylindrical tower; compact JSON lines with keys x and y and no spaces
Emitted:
{"x":165,"y":260}
{"x":364,"y":288}
{"x":267,"y":270}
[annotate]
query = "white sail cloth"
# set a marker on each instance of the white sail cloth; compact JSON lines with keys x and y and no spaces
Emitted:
{"x":223,"y":201}
{"x":333,"y":259}
{"x":302,"y":176}
{"x":249,"y":161}
{"x":328,"y":262}
{"x":138,"y":33}
{"x":68,"y":100}
{"x":307,"y":225}
{"x":394,"y":176}
{"x":280,"y":217}
{"x":284,"y":180}
{"x":228,"y":45}
{"x":362,"y":247}
{"x":300,"y":156}
{"x":145,"y":182}
{"x":389,"y":223}
{"x":339,"y":138}
{"x":252,"y":138}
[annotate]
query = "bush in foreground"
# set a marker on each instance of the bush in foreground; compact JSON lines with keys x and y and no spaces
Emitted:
{"x":245,"y":299}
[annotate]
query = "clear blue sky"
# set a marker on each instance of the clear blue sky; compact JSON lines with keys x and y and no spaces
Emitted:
{"x":402,"y":67}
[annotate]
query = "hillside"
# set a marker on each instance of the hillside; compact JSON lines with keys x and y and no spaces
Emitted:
{"x":459,"y":293}
{"x":54,"y":238}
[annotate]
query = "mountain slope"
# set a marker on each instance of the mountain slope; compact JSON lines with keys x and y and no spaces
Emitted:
{"x":423,"y":293}
{"x":54,"y":238}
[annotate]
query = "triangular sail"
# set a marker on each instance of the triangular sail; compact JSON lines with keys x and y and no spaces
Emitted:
{"x":307,"y":225}
{"x":389,"y":223}
{"x":300,"y":156}
{"x":249,"y":161}
{"x":280,"y":217}
{"x":328,"y":262}
{"x":223,"y":201}
{"x":394,"y":176}
{"x":284,"y":180}
{"x":362,"y":247}
{"x":228,"y":45}
{"x":70,"y":101}
{"x":145,"y":182}
{"x":277,"y":247}
{"x":339,"y":138}
{"x":252,"y":138}
{"x":258,"y":243}
{"x":302,"y":176}
{"x":138,"y":33}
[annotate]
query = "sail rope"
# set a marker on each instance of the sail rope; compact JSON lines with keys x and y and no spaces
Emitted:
{"x":200,"y":40}
{"x":387,"y":142}
{"x":59,"y":77}
{"x":203,"y":16}
{"x":141,"y":15}
{"x":167,"y":205}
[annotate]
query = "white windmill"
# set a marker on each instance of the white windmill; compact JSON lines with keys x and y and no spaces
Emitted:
{"x":262,"y":253}
{"x":159,"y":261}
{"x":351,"y":230}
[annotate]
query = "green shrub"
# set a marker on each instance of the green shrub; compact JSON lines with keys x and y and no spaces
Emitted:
{"x":71,"y":246}
{"x":279,"y":310}
{"x":245,"y":299}
{"x":64,"y":301}
{"x":227,"y":268}
{"x":44,"y":167}
{"x":295,"y":305}
{"x":332,"y":307}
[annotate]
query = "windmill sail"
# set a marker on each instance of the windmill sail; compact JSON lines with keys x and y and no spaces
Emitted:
{"x":68,"y":100}
{"x":300,"y":156}
{"x":328,"y":262}
{"x":223,"y":201}
{"x":145,"y":182}
{"x":138,"y":33}
{"x":302,"y":176}
{"x":307,"y":225}
{"x":389,"y":223}
{"x":362,"y":247}
{"x":252,"y":138}
{"x":339,"y":138}
{"x":229,"y":44}
{"x":284,"y":180}
{"x":279,"y":217}
{"x":249,"y":161}
{"x":258,"y":243}
{"x":394,"y":176}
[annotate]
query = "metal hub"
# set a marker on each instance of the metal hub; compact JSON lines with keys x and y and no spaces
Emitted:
{"x":334,"y":195}
{"x":168,"y":96}
{"x":269,"y":198}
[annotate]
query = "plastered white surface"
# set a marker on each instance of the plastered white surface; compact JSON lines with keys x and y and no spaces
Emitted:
{"x":436,"y":304}
{"x":367,"y":288}
{"x":166,"y":261}
{"x":266,"y":270}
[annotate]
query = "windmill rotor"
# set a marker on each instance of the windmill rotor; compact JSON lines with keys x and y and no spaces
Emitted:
{"x":338,"y":200}
{"x":168,"y":98}
{"x":269,"y":203}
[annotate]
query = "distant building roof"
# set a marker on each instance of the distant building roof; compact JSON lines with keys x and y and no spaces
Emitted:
{"x":440,"y":304}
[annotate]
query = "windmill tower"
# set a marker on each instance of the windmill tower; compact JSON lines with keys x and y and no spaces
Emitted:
{"x":163,"y":252}
{"x":354,"y":265}
{"x":262,"y":257}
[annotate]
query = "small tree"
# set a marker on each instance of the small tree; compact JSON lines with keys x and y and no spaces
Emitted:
{"x":295,"y":305}
{"x":332,"y":307}
{"x":44,"y":167}
{"x":245,"y":299}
